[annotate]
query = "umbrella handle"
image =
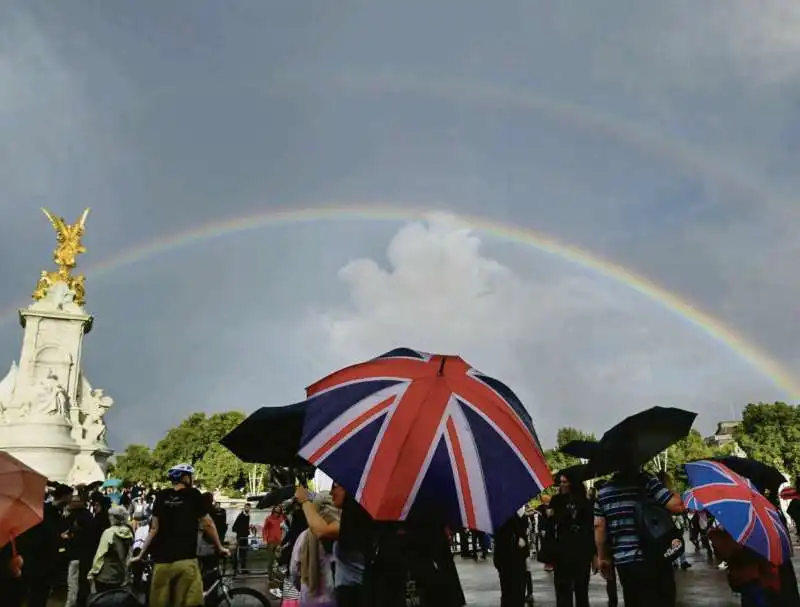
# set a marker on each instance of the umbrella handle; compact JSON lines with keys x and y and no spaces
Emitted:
{"x":300,"y":478}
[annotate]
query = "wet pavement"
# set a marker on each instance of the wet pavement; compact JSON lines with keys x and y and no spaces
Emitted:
{"x":704,"y":585}
{"x":701,"y":586}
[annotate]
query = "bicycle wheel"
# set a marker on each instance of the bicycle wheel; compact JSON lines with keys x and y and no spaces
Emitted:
{"x":244,"y":597}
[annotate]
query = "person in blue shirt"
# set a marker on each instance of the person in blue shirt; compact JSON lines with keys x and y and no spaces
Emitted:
{"x":645,"y":581}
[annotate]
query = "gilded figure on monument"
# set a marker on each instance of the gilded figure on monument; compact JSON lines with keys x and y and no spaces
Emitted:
{"x":69,"y":246}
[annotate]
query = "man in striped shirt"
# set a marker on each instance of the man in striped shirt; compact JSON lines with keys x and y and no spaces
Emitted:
{"x":644,"y":582}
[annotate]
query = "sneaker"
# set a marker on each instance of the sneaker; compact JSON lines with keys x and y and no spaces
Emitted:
{"x":548,"y":567}
{"x":722,"y":566}
{"x":685,"y":565}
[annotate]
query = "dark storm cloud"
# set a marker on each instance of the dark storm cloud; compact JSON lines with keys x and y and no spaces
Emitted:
{"x":659,"y":137}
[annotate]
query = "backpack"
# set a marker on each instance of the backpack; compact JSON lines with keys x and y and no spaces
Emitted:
{"x":660,"y":539}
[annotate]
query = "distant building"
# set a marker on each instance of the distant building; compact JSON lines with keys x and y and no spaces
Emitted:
{"x":724,"y":436}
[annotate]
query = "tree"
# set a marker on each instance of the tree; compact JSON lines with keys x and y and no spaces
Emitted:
{"x":692,"y":447}
{"x":220,"y":469}
{"x":567,"y":435}
{"x":136,"y":464}
{"x":770,"y":432}
{"x":558,"y":461}
{"x":190,"y":440}
{"x":195,"y":441}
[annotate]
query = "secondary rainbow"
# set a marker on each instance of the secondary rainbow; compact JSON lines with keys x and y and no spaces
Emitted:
{"x":689,"y":157}
{"x":541,"y":242}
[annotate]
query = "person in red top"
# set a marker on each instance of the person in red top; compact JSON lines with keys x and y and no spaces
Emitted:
{"x":756,"y":580}
{"x":272,"y":534}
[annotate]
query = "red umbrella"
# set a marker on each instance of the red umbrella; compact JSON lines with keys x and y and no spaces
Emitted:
{"x":21,"y":497}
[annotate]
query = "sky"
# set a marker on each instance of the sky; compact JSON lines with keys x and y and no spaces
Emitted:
{"x":662,"y":138}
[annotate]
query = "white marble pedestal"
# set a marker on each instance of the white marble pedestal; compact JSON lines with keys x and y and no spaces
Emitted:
{"x":45,"y":446}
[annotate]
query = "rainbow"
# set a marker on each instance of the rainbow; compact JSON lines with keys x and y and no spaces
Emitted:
{"x":516,"y":234}
{"x":690,"y":158}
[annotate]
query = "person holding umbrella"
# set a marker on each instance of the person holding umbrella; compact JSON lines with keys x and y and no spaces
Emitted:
{"x":40,"y":546}
{"x":647,"y":579}
{"x":21,"y":508}
{"x":634,"y":509}
{"x":10,"y":576}
{"x":749,"y":533}
{"x":511,"y":552}
{"x":349,"y":564}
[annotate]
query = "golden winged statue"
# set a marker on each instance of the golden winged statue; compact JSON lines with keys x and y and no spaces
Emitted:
{"x":65,"y":257}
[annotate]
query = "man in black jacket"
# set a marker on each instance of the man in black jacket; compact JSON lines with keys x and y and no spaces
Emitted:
{"x":80,"y":550}
{"x":39,"y":547}
{"x":241,"y":527}
{"x":511,"y":552}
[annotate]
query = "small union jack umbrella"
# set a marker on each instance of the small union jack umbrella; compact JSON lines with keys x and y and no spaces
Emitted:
{"x":741,"y":510}
{"x":790,"y":493}
{"x":410,"y":433}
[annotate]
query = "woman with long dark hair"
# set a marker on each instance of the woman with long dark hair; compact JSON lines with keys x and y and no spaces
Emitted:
{"x":571,"y":513}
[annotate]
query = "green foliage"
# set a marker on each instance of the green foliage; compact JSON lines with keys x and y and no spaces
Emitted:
{"x":567,"y":435}
{"x":195,"y":441}
{"x":136,"y":464}
{"x":770,"y":432}
{"x":691,"y":448}
{"x":558,"y":461}
{"x":221,"y":469}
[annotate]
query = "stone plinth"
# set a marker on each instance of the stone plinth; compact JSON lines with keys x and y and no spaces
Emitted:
{"x":45,"y":446}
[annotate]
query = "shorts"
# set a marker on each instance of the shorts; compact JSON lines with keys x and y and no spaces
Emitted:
{"x":178,"y":584}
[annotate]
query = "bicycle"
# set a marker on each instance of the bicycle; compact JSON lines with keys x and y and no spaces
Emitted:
{"x":217,"y":589}
{"x":219,"y":593}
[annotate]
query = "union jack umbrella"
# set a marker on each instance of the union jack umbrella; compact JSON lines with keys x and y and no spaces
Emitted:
{"x":741,"y":510}
{"x":790,"y":493}
{"x":410,"y":433}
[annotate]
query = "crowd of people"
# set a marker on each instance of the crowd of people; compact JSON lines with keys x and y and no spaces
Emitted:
{"x":92,"y":541}
{"x":577,"y":533}
{"x":84,"y":539}
{"x":332,"y":554}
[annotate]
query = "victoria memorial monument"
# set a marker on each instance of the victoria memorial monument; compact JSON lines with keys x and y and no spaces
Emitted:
{"x":51,"y":417}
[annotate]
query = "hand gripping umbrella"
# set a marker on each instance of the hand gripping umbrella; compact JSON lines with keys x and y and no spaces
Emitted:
{"x":410,"y":434}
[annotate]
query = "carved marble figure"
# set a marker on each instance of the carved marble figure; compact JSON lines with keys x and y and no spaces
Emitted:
{"x":94,"y":405}
{"x":52,"y":398}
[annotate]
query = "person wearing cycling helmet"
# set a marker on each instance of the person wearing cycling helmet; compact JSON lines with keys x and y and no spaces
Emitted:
{"x":172,"y":542}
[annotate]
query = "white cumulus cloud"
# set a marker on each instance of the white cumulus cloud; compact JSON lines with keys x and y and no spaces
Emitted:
{"x":577,"y":350}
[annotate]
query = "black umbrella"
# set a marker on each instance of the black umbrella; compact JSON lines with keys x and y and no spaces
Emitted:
{"x":271,"y":435}
{"x":275,"y":497}
{"x":762,"y":475}
{"x":582,"y":449}
{"x":639,"y":438}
